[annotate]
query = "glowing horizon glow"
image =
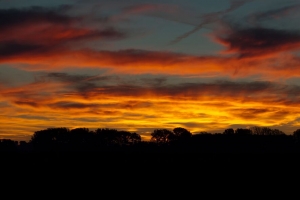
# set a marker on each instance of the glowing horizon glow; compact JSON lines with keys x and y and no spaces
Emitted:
{"x":140,"y":66}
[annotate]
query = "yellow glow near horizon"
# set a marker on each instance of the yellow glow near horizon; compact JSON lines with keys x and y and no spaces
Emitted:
{"x":142,"y":115}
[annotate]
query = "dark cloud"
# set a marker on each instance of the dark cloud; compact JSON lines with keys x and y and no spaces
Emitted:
{"x":219,"y":88}
{"x":269,"y":99}
{"x":51,"y":40}
{"x":250,"y":42}
{"x":27,"y":103}
{"x":280,"y":114}
{"x":65,"y":77}
{"x":154,"y":81}
{"x":90,"y":87}
{"x":81,"y":83}
{"x":255,"y":39}
{"x":13,"y":48}
{"x":132,"y":56}
{"x":75,"y":78}
{"x":249,"y":113}
{"x":135,"y":104}
{"x":71,"y":105}
{"x":34,"y":117}
{"x":110,"y":33}
{"x":246,"y":91}
{"x":14,"y":17}
{"x":254,"y":113}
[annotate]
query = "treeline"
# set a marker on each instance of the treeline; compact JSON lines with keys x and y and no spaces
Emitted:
{"x":255,"y":139}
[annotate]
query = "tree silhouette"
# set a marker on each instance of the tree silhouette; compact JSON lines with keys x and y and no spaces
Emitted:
{"x":105,"y":136}
{"x":50,"y":135}
{"x":81,"y":135}
{"x":8,"y":145}
{"x":134,"y":138}
{"x":50,"y":138}
{"x":296,"y":135}
{"x":243,"y":131}
{"x":256,"y":130}
{"x":162,"y":136}
{"x":258,"y":139}
{"x":126,"y":138}
{"x":277,"y":132}
{"x":228,"y":131}
{"x":182,"y":133}
{"x":108,"y":137}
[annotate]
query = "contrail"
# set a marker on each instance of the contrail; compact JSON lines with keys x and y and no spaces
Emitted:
{"x":210,"y":18}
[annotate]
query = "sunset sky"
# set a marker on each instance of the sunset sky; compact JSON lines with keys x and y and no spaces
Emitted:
{"x":137,"y":65}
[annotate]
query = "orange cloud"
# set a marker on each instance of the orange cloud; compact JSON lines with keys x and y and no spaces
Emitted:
{"x":139,"y":61}
{"x":58,"y":100}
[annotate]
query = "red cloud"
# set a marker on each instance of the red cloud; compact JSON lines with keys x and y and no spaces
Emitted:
{"x":37,"y":31}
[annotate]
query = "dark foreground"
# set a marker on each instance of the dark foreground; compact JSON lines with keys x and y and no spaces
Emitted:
{"x":196,"y":152}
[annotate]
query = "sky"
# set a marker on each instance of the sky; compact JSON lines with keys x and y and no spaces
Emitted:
{"x":137,"y":65}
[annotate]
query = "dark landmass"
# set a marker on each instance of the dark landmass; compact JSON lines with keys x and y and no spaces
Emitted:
{"x":180,"y":140}
{"x":110,"y":147}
